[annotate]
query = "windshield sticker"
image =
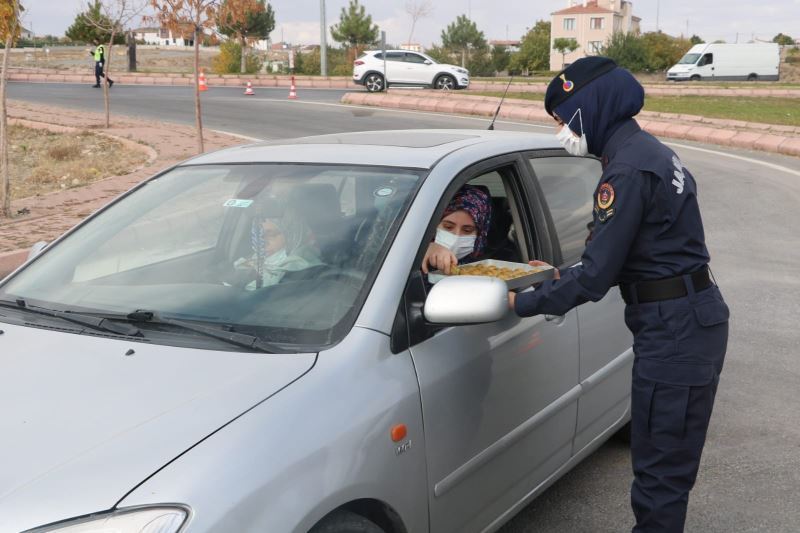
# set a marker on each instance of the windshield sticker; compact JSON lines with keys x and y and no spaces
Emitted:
{"x":384,"y":192}
{"x":238,"y":203}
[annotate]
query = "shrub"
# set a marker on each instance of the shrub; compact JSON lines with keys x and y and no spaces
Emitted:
{"x":230,"y":58}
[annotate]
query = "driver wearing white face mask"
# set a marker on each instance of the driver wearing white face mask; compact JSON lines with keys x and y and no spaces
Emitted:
{"x":461,"y":236}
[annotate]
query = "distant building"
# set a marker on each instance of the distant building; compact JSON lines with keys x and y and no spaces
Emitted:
{"x":162,"y":36}
{"x":26,"y":34}
{"x":411,"y":47}
{"x":591,"y":23}
{"x":511,"y":46}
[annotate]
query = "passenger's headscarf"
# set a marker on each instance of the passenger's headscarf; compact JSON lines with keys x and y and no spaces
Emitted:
{"x":476,"y":202}
{"x":605,"y":103}
{"x":297,"y":254}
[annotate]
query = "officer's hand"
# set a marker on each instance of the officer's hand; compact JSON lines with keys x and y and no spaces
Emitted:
{"x":439,"y":258}
{"x":556,"y":273}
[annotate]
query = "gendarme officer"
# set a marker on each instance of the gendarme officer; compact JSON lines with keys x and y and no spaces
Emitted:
{"x":647,"y":237}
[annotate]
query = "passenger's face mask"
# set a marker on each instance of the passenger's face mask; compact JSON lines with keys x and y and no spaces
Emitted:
{"x":573,"y":144}
{"x":460,"y":246}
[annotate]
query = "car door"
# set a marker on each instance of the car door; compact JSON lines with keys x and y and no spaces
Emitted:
{"x":498,"y":399}
{"x":417,"y":70}
{"x":705,"y":66}
{"x":396,"y":68}
{"x":568,"y":185}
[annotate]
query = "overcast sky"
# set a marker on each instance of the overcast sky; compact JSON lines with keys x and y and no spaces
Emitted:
{"x":298,"y":20}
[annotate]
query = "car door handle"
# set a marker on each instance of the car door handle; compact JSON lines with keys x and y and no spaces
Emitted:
{"x":556,"y":319}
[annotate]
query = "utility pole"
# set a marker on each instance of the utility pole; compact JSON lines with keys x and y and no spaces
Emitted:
{"x":323,"y":40}
{"x":658,"y":12}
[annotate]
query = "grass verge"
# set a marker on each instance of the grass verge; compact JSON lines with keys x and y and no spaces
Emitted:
{"x":41,"y":161}
{"x":785,"y":111}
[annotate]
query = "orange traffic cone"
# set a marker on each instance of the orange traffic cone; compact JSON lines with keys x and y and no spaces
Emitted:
{"x":293,"y":91}
{"x":202,"y":82}
{"x":249,"y":90}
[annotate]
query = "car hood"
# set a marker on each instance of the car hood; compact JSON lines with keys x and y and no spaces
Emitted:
{"x":82,"y":423}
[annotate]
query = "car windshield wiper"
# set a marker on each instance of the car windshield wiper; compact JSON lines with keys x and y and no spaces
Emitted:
{"x":101,"y":324}
{"x":227,"y":335}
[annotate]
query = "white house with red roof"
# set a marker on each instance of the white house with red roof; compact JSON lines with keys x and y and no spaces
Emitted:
{"x":591,"y":23}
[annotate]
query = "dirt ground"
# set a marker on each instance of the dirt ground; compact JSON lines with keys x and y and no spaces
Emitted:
{"x":46,"y":216}
{"x":42,"y":161}
{"x":177,"y":59}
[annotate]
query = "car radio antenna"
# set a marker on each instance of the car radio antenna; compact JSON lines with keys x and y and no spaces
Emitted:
{"x":497,"y":112}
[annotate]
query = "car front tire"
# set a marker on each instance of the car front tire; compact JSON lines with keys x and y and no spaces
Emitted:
{"x":345,"y":522}
{"x":374,"y":83}
{"x":445,"y":82}
{"x":695,"y":78}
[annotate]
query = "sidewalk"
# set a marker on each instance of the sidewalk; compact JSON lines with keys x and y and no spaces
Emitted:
{"x":52,"y":214}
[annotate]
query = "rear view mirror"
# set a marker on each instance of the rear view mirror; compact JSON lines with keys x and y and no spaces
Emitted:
{"x":467,"y":300}
{"x":36,"y":249}
{"x":428,"y":62}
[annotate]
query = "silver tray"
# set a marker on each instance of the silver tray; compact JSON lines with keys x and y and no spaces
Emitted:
{"x":537,"y":275}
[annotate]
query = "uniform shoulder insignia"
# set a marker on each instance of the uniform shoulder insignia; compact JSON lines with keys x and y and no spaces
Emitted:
{"x":605,"y":200}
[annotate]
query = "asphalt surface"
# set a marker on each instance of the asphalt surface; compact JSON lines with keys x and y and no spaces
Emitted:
{"x":749,"y":480}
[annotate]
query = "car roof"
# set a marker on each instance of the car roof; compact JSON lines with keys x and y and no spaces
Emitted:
{"x":420,"y":149}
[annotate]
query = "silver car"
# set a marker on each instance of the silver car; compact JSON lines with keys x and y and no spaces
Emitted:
{"x":150,"y":382}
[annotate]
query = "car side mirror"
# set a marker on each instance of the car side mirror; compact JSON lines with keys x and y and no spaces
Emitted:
{"x":428,"y":62}
{"x":460,"y":300}
{"x":36,"y":249}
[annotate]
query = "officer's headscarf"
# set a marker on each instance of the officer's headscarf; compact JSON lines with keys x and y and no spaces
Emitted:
{"x":605,"y":103}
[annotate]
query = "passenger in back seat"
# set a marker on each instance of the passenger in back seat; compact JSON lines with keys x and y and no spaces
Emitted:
{"x":280,"y":246}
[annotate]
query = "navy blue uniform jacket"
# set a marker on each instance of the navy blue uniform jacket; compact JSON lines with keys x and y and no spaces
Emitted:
{"x":647,"y":226}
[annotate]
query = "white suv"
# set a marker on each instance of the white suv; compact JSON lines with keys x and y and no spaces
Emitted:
{"x":406,"y":68}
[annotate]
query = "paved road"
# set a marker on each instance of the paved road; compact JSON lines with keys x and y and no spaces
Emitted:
{"x":750,"y":476}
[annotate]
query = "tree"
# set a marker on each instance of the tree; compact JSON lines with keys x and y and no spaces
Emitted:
{"x":783,"y":40}
{"x":463,"y":35}
{"x":417,"y":10}
{"x":10,"y":29}
{"x":501,"y":58}
{"x":355,"y":27}
{"x":229,"y":60}
{"x":246,"y":21}
{"x":109,"y":20}
{"x":628,"y":50}
{"x":440,"y":54}
{"x":565,"y":46}
{"x":696,"y":39}
{"x":534,"y":52}
{"x":177,"y":15}
{"x":663,"y":50}
{"x":93,"y":25}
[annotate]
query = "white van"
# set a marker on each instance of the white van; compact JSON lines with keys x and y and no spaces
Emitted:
{"x":728,"y":62}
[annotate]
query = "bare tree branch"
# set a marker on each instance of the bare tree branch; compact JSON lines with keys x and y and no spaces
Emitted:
{"x":417,"y":10}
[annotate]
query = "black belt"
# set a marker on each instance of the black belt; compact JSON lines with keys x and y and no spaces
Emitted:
{"x":664,"y":289}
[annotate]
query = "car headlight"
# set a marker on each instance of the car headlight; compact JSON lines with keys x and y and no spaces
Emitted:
{"x":137,"y":520}
{"x":462,"y":71}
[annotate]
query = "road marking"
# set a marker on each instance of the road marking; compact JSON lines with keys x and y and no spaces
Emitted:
{"x":239,"y":135}
{"x":485,"y":120}
{"x":739,"y":157}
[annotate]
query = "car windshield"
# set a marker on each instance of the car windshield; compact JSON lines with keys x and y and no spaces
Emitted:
{"x":689,"y":59}
{"x":286,"y":253}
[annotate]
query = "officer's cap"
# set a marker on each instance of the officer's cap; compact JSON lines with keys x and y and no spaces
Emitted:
{"x":571,"y":79}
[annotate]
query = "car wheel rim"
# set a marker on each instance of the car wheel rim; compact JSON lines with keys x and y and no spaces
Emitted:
{"x":446,"y":83}
{"x":374,"y":84}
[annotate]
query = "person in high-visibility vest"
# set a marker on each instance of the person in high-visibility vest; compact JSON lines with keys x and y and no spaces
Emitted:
{"x":99,"y":61}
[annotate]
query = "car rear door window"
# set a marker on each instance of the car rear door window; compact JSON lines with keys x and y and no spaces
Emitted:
{"x":568,"y":184}
{"x":395,"y":56}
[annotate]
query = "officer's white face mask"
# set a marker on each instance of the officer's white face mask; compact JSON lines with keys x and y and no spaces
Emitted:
{"x":573,"y":144}
{"x":461,"y":246}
